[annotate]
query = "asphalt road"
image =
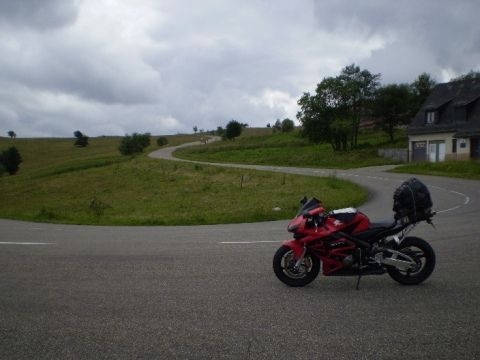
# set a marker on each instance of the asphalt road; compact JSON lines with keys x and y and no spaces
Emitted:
{"x":179,"y":292}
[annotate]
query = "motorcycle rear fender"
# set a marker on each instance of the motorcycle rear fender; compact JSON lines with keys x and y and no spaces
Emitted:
{"x":296,"y":246}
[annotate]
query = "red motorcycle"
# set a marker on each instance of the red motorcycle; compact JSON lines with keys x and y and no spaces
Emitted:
{"x":345,"y":243}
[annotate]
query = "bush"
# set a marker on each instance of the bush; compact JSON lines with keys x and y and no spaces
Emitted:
{"x":162,"y":140}
{"x":10,"y":160}
{"x":233,"y":130}
{"x":220,"y":131}
{"x":277,"y":126}
{"x":134,"y":144}
{"x":82,"y":140}
{"x":287,"y":125}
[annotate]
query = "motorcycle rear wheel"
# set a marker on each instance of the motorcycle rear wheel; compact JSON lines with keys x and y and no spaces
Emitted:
{"x":283,"y":266}
{"x":422,"y":253}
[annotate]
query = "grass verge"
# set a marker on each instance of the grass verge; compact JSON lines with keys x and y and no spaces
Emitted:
{"x":292,"y":150}
{"x":458,"y":169}
{"x":62,"y":184}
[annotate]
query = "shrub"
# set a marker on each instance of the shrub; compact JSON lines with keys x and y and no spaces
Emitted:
{"x":277,"y":126}
{"x":82,"y":140}
{"x":162,"y":140}
{"x":233,"y":129}
{"x":10,"y":159}
{"x":220,"y":131}
{"x":134,"y":144}
{"x":287,"y":125}
{"x":98,"y":207}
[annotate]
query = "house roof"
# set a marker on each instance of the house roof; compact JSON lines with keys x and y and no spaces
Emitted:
{"x":447,"y":100}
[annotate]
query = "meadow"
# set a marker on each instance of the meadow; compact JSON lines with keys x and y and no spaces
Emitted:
{"x":458,"y":169}
{"x":61,"y":183}
{"x":290,"y":149}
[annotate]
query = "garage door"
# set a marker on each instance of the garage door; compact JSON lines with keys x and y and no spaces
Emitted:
{"x":419,"y":150}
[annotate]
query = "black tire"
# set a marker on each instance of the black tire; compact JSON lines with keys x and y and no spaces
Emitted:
{"x":283,"y":262}
{"x":425,"y":266}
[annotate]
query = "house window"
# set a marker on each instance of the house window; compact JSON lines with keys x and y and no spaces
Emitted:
{"x":430,"y":117}
{"x":454,"y":145}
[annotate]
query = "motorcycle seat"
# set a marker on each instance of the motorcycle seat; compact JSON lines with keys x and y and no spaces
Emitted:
{"x":383,"y":224}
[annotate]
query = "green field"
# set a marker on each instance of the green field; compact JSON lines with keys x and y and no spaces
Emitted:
{"x":459,"y":169}
{"x":60,"y":183}
{"x":292,"y":150}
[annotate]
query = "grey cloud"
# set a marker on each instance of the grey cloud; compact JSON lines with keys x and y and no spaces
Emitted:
{"x":38,"y":14}
{"x":445,"y":32}
{"x":115,"y":67}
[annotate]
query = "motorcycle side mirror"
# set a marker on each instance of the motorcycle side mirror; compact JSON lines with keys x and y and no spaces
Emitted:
{"x":304,"y":200}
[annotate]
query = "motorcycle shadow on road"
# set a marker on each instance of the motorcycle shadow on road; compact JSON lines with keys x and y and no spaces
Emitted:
{"x":368,"y":285}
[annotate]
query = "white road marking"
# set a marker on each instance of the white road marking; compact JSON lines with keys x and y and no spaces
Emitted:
{"x":453,"y":208}
{"x":467,"y":199}
{"x":23,"y":243}
{"x":249,"y":242}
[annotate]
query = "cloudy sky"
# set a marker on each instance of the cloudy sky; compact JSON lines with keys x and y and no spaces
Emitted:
{"x":114,"y":67}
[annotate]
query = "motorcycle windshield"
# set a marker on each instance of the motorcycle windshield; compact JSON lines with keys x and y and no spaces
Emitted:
{"x":311,"y":204}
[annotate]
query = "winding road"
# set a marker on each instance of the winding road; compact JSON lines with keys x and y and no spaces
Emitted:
{"x":208,"y":292}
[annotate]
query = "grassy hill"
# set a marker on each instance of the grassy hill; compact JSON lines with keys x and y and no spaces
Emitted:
{"x":60,"y":183}
{"x":459,"y":169}
{"x":257,"y":146}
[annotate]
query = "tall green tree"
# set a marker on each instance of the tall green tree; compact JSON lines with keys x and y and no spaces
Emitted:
{"x":421,"y":87}
{"x":12,"y":134}
{"x":348,"y":97}
{"x":356,"y":93}
{"x":393,"y":107}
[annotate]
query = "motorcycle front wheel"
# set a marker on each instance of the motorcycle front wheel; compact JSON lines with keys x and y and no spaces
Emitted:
{"x":423,"y":254}
{"x":284,"y":267}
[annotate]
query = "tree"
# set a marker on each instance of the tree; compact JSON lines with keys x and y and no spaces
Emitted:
{"x":277,"y":125}
{"x":12,"y":134}
{"x":134,"y":144}
{"x":393,"y":107}
{"x":287,"y":125}
{"x":220,"y":131}
{"x":472,"y":74}
{"x":421,"y":87}
{"x":316,"y":116}
{"x":195,"y":129}
{"x":340,"y":133}
{"x":244,"y":125}
{"x":347,"y":96}
{"x":162,"y":140}
{"x":10,"y":159}
{"x":268,"y":125}
{"x":233,"y":130}
{"x":355,"y":92}
{"x":82,"y":140}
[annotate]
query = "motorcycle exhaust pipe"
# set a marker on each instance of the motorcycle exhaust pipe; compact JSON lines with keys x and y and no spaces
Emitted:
{"x":393,"y":260}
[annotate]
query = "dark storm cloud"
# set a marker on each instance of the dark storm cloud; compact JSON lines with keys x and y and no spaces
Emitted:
{"x":421,"y":35}
{"x":39,"y":14}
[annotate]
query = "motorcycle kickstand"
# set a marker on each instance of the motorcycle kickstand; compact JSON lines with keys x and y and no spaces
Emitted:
{"x":359,"y":269}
